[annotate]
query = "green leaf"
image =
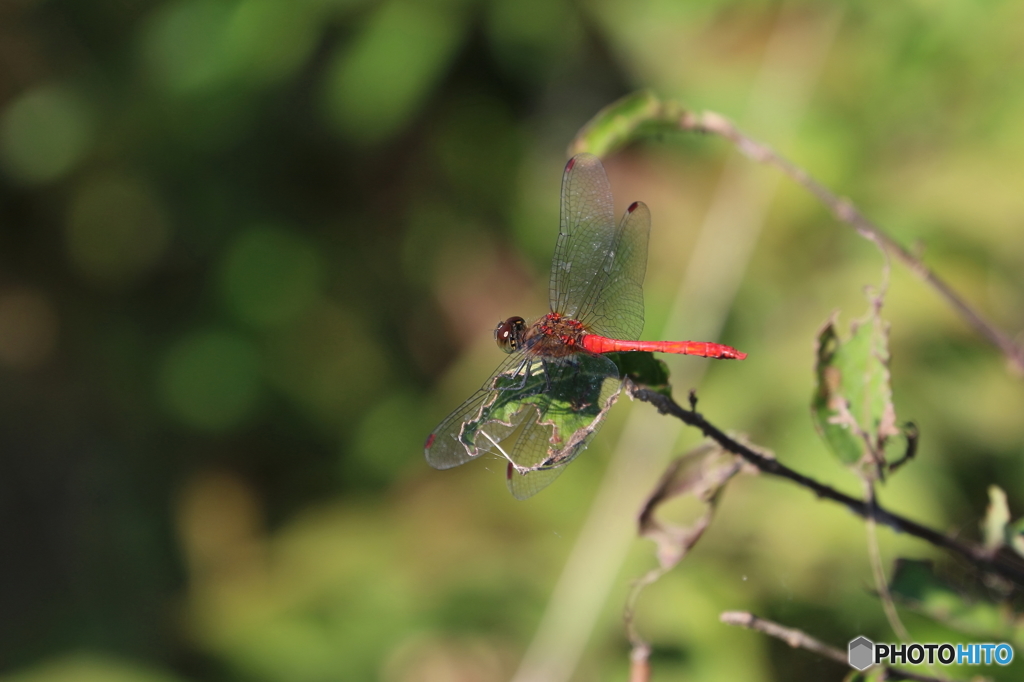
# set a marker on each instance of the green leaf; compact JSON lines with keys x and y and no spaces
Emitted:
{"x":634,"y":116}
{"x":1015,"y":536}
{"x":996,"y":527}
{"x":915,"y":584}
{"x":852,"y":406}
{"x":996,"y":518}
{"x":569,"y":402}
{"x":643,"y":369}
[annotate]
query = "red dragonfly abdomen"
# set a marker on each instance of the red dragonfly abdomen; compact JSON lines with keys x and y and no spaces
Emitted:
{"x":602,"y":344}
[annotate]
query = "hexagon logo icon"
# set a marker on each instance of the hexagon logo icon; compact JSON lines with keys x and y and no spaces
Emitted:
{"x":862,"y":653}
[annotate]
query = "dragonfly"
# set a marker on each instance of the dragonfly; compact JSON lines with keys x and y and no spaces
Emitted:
{"x":545,"y":402}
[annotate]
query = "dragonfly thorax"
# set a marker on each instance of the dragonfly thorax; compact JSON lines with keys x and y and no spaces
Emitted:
{"x":509,"y":334}
{"x":554,"y":337}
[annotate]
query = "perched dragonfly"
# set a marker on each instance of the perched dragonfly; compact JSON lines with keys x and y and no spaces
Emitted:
{"x":544,"y":403}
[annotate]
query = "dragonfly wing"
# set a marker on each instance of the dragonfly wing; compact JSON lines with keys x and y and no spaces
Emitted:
{"x":585,"y":235}
{"x":561,"y":420}
{"x":598,"y":270}
{"x":536,"y":414}
{"x":618,"y":310}
{"x":528,"y":484}
{"x":483,"y":421}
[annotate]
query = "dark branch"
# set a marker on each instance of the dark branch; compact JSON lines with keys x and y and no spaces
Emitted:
{"x":799,"y":639}
{"x":972,"y":552}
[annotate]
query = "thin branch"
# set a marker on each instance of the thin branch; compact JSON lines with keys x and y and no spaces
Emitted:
{"x":641,"y":650}
{"x":801,"y":640}
{"x":972,"y":552}
{"x":877,"y":569}
{"x":643,"y":113}
{"x":845,"y":211}
{"x":639,"y":664}
{"x":703,"y":475}
{"x":793,"y":637}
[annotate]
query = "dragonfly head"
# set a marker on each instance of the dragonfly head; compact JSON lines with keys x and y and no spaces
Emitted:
{"x":509,"y":334}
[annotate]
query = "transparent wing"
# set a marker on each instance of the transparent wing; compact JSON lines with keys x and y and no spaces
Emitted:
{"x":462,"y":435}
{"x":562,"y":421}
{"x":585,"y":235}
{"x":598,"y":269}
{"x":527,"y":484}
{"x":618,"y":310}
{"x":537,"y":415}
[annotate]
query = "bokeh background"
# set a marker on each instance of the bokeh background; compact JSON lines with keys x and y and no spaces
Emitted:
{"x":252,"y":251}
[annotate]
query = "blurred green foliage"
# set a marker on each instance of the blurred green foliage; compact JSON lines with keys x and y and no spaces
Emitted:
{"x":252,"y":251}
{"x":44,"y":133}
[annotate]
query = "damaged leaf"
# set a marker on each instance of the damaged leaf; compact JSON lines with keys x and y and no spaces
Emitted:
{"x":644,"y":370}
{"x":702,"y":473}
{"x":852,"y":406}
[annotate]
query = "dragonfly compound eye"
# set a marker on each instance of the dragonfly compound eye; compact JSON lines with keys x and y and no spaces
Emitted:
{"x":509,"y":334}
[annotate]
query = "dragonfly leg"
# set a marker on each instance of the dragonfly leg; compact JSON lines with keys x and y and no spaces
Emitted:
{"x":547,"y":377}
{"x":523,"y":367}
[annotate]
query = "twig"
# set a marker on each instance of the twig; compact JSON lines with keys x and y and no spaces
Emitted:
{"x":801,"y":640}
{"x":877,"y":569}
{"x":639,"y":665}
{"x":641,"y":650}
{"x":845,"y":211}
{"x":795,"y":638}
{"x":702,"y":474}
{"x":972,"y":552}
{"x":642,"y":113}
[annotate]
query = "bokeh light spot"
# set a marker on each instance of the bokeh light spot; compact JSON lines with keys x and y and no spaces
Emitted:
{"x":28,"y":329}
{"x":270,"y":276}
{"x":116,"y":230}
{"x":220,"y":524}
{"x":267,"y":39}
{"x":329,"y":363}
{"x":389,"y":432}
{"x":44,"y":134}
{"x":210,"y":380}
{"x":86,"y":666}
{"x":183,"y":45}
{"x":379,"y":80}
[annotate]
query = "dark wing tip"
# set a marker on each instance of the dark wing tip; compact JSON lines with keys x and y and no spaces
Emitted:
{"x":583,"y":158}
